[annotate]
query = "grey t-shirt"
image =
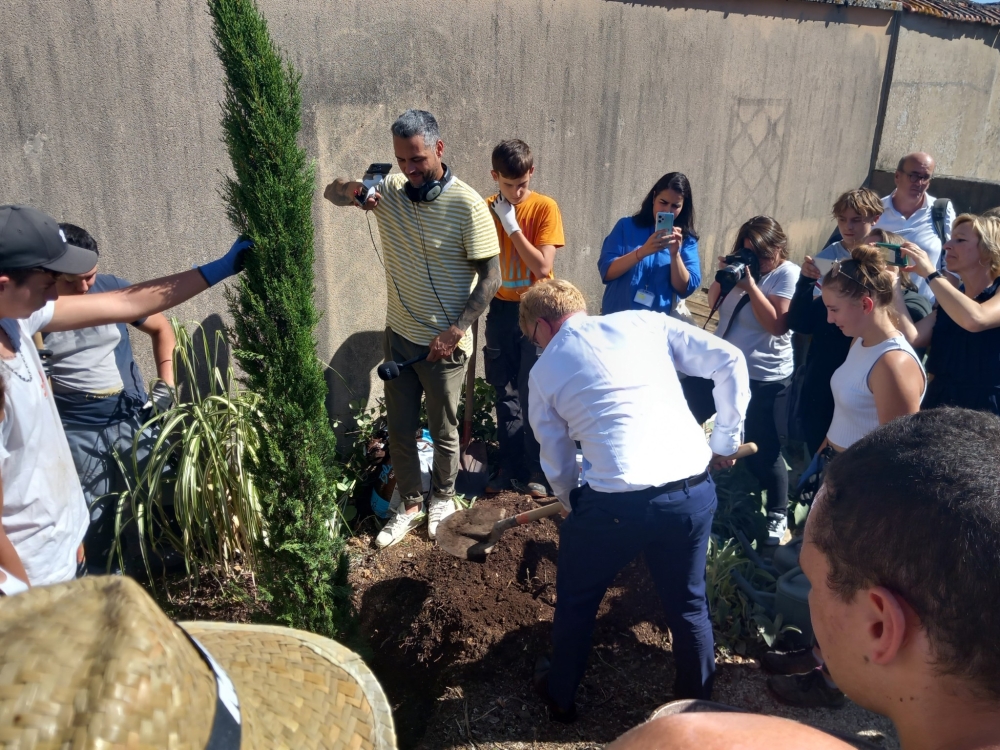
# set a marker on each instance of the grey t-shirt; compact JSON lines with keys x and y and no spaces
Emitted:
{"x":96,"y":360}
{"x":768,"y":357}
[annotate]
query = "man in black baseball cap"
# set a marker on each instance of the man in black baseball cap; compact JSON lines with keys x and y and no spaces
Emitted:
{"x":31,"y":239}
{"x":44,"y":514}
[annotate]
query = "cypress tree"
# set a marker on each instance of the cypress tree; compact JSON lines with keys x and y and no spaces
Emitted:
{"x":269,"y":199}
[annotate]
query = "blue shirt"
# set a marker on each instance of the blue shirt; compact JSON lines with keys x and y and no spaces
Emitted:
{"x":651,"y":273}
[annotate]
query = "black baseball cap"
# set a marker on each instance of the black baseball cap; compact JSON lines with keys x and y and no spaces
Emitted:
{"x":32,"y":239}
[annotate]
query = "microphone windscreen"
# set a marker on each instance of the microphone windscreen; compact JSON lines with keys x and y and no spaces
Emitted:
{"x":388,"y":370}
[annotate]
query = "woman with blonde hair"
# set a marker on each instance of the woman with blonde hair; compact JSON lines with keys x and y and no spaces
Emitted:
{"x":964,"y":332}
{"x":882,"y":377}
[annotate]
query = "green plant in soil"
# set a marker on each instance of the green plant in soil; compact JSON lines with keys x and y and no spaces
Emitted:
{"x":193,"y":491}
{"x":269,"y":199}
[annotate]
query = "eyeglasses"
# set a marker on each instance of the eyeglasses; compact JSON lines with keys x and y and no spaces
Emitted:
{"x":919,"y":177}
{"x":533,"y":332}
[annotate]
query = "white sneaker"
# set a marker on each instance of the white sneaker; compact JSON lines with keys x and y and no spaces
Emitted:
{"x":399,"y":526}
{"x":441,"y":506}
{"x":777,"y":525}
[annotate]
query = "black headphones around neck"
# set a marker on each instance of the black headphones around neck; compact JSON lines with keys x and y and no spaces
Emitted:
{"x":430,"y":189}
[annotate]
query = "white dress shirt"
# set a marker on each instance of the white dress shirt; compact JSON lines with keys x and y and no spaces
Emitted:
{"x":611,"y":383}
{"x":918,"y":229}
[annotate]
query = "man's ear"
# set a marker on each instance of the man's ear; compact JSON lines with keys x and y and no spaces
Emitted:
{"x":439,"y":148}
{"x":887,"y":625}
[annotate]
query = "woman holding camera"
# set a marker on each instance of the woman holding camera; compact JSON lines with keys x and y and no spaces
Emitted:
{"x":644,"y":269}
{"x":753,"y":316}
{"x":964,"y":331}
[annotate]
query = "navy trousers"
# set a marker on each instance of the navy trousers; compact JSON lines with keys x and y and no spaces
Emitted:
{"x":603,"y":534}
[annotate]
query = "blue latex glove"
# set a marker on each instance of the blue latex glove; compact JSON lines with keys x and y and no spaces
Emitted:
{"x":228,"y":265}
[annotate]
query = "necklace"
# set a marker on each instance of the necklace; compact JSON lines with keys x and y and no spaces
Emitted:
{"x":18,"y":375}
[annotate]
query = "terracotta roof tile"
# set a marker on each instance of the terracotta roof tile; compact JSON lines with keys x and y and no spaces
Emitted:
{"x":956,"y":10}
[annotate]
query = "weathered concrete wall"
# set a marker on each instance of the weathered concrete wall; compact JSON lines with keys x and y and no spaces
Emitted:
{"x":111,"y":120}
{"x":945,"y":97}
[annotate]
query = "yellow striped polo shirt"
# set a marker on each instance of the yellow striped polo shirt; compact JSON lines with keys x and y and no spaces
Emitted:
{"x":429,"y":254}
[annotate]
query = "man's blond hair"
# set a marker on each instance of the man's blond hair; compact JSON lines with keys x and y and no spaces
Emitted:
{"x":550,"y":300}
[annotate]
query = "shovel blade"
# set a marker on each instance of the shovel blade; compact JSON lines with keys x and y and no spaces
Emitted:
{"x":467,"y":533}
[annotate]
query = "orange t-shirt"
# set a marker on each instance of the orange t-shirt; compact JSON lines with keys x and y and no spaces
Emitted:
{"x":540,"y":221}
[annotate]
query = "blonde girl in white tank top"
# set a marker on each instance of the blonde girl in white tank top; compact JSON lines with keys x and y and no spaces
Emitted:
{"x":882,"y":377}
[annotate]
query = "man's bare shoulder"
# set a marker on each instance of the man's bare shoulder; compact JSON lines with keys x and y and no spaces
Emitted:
{"x":724,"y":731}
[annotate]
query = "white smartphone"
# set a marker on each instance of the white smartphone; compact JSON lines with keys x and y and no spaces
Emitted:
{"x":664,"y":222}
{"x":825,"y":265}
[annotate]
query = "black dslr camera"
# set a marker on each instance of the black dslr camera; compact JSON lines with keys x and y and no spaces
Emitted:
{"x":738,"y":265}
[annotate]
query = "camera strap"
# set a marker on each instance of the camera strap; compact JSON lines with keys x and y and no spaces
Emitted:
{"x":736,"y":311}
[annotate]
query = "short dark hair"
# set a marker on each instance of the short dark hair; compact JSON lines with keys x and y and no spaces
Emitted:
{"x":18,"y":275}
{"x":417,"y":122}
{"x":915,"y":507}
{"x":679,"y":183}
{"x":512,"y":159}
{"x":79,"y":236}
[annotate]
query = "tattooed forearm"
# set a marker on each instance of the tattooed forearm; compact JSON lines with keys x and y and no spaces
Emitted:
{"x":484,"y":291}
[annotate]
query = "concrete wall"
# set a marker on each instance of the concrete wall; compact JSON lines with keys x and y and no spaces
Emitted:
{"x":111,"y":120}
{"x":945,"y":97}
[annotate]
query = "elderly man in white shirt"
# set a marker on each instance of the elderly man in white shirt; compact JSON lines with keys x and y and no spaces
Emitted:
{"x":909,"y":212}
{"x":611,"y":383}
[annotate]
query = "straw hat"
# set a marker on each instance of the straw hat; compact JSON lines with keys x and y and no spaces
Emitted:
{"x":94,"y":663}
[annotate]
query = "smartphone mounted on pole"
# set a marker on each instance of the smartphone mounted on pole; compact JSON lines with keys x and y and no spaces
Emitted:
{"x":374,"y":176}
{"x":664,"y":222}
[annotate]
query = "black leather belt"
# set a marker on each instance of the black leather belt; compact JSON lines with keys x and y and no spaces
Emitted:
{"x":690,"y":482}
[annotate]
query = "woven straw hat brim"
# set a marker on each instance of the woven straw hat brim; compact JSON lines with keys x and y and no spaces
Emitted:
{"x":298,"y":690}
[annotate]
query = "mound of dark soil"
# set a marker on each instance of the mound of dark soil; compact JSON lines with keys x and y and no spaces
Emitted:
{"x":454,"y":642}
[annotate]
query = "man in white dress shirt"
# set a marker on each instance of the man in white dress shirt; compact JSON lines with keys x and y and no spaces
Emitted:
{"x":909,"y":212}
{"x":612,"y":384}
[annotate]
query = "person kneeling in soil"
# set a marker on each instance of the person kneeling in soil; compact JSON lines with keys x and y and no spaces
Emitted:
{"x":901,"y":549}
{"x":611,"y":383}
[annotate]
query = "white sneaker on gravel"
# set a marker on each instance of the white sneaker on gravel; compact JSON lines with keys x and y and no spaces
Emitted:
{"x":441,"y":506}
{"x":401,"y":524}
{"x":777,"y":525}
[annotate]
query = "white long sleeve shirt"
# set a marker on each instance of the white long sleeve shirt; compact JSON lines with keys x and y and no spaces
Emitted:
{"x":611,"y":383}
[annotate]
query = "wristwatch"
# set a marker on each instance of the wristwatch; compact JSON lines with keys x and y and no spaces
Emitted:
{"x":932,"y":276}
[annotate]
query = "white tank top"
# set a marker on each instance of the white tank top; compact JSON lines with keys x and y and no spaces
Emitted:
{"x":854,"y":412}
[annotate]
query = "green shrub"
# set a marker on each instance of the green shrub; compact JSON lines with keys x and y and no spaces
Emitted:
{"x":269,"y":199}
{"x":193,"y":492}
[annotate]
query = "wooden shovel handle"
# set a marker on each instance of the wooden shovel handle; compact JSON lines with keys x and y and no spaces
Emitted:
{"x":528,"y":516}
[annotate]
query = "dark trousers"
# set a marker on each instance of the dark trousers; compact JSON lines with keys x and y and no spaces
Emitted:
{"x":603,"y":534}
{"x":509,"y":359}
{"x":767,"y":464}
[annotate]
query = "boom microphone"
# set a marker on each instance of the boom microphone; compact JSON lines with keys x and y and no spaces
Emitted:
{"x":390,"y":370}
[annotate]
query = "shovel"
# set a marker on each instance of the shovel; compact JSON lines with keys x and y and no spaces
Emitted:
{"x":472,"y":534}
{"x":473,"y":473}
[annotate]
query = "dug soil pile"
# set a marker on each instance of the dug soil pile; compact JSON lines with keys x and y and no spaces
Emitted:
{"x":454,"y":645}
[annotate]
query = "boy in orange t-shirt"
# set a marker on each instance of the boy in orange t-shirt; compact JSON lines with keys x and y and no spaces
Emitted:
{"x":530,"y":229}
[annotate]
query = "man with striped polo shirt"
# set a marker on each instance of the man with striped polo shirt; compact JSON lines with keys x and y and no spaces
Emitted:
{"x":442,"y":269}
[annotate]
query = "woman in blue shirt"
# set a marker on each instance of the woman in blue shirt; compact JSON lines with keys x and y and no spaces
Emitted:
{"x":643,"y":269}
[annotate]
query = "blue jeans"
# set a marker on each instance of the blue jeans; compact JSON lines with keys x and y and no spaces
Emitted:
{"x":603,"y":534}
